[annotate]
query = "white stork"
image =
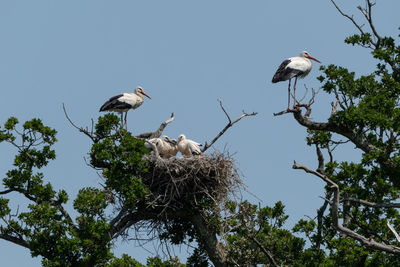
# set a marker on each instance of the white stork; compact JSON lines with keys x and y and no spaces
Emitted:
{"x":188,"y":147}
{"x":297,"y":67}
{"x":123,"y":102}
{"x":166,"y":147}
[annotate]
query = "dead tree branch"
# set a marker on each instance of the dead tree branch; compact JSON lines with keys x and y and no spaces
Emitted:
{"x":230,"y":124}
{"x":351,"y":18}
{"x":15,"y":240}
{"x":368,"y":242}
{"x":393,"y":231}
{"x":265,"y":251}
{"x":320,"y":214}
{"x":159,"y":131}
{"x":372,"y":204}
{"x":367,"y":13}
{"x":81,"y":129}
{"x":301,"y":105}
{"x":95,"y":138}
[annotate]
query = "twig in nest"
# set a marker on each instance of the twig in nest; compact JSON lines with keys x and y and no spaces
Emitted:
{"x":177,"y":181}
{"x":230,"y":124}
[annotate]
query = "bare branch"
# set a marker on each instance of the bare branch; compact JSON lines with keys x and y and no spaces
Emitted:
{"x":320,"y":214}
{"x":372,"y":204}
{"x":159,"y":131}
{"x":367,"y":12}
{"x":6,"y":191}
{"x":393,"y":231}
{"x":304,"y":96}
{"x":284,"y":112}
{"x":15,"y":240}
{"x":359,"y":140}
{"x":230,"y":124}
{"x":266,"y":252}
{"x":321,"y":165}
{"x":223,"y":109}
{"x":86,"y":132}
{"x":368,"y":242}
{"x":351,"y":18}
{"x":334,"y":107}
{"x":53,"y":203}
{"x":306,"y":169}
{"x":300,"y":105}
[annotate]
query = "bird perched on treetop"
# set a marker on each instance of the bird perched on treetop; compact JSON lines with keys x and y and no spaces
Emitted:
{"x":297,"y":67}
{"x":123,"y":102}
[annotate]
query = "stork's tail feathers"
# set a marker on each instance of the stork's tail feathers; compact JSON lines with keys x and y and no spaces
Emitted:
{"x":105,"y":106}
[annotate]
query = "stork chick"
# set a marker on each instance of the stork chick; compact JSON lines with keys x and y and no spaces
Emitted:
{"x":166,"y":147}
{"x":187,"y":147}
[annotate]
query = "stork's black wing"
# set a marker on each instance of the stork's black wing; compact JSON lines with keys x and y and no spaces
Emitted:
{"x":114,"y":103}
{"x":281,"y":73}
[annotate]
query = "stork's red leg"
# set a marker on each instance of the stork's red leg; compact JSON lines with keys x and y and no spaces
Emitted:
{"x":288,"y":103}
{"x":294,"y":94}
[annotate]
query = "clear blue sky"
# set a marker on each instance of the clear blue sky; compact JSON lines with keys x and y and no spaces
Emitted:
{"x":186,"y":55}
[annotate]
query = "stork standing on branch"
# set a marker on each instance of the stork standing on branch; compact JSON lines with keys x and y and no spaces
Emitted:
{"x":297,"y":67}
{"x":123,"y":102}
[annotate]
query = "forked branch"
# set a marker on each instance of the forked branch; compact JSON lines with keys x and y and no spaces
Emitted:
{"x":159,"y":131}
{"x":228,"y":125}
{"x":90,"y":134}
{"x":368,"y":242}
{"x":367,"y":13}
{"x":265,"y":251}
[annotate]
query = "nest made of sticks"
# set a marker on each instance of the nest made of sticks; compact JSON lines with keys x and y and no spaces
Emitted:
{"x":176,"y":182}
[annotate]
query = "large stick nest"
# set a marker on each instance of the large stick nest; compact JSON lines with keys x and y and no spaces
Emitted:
{"x":176,"y":182}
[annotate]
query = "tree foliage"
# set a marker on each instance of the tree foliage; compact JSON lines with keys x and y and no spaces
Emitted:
{"x":349,"y":229}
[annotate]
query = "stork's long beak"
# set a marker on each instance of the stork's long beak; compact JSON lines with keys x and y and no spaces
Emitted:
{"x":146,"y":94}
{"x":313,"y":58}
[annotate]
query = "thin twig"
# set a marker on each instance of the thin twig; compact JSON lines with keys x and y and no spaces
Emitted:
{"x":94,"y":139}
{"x":351,"y":18}
{"x":266,"y":252}
{"x":372,"y":204}
{"x":368,"y":242}
{"x":229,"y":124}
{"x":159,"y":131}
